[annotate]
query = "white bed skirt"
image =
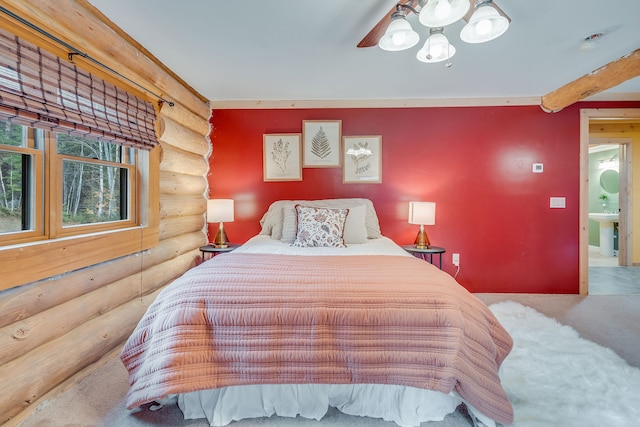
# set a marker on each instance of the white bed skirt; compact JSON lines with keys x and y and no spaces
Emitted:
{"x":406,"y":406}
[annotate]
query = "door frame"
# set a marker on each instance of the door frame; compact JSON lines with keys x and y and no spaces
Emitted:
{"x":626,"y":202}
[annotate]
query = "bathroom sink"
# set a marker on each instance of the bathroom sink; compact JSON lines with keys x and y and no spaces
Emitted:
{"x":604,"y":217}
{"x":606,"y":223}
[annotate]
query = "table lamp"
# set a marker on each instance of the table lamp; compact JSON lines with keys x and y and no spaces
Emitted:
{"x":220,"y":210}
{"x":422,"y":213}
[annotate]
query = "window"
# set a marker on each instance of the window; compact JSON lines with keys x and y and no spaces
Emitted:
{"x":20,"y":183}
{"x":97,"y":183}
{"x":91,"y":184}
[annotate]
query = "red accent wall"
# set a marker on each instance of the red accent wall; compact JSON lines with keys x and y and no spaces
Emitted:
{"x":474,"y":162}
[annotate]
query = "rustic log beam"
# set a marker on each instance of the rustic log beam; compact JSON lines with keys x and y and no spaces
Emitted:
{"x":603,"y":78}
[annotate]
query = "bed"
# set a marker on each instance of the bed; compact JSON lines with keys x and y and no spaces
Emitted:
{"x":319,"y":310}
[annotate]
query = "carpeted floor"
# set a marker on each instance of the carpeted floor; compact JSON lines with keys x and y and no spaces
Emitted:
{"x":602,"y":397}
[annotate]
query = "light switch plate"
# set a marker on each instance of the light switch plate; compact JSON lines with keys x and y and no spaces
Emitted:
{"x":557,"y":202}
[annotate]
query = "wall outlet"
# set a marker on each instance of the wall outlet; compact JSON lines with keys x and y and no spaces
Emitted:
{"x":456,"y":260}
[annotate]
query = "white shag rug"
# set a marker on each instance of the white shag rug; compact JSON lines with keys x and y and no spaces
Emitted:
{"x":555,"y":378}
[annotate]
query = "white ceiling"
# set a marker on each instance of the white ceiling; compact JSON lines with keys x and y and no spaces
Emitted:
{"x":306,"y":50}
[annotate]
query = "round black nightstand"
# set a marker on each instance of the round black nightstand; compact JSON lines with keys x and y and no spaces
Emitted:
{"x":424,"y":252}
{"x":213,"y":251}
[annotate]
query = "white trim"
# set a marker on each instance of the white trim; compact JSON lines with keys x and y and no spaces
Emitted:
{"x":403,"y":103}
{"x":614,"y":96}
{"x":372,"y":103}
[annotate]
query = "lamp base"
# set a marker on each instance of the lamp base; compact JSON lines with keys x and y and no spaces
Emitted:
{"x":422,"y":240}
{"x":221,"y":240}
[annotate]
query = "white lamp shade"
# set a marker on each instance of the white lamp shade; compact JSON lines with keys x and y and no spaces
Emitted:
{"x":422,"y":213}
{"x":484,"y":25}
{"x":220,"y":210}
{"x":439,"y":13}
{"x":436,"y":49}
{"x":399,"y":36}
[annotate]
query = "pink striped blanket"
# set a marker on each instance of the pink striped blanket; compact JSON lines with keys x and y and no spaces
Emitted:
{"x":243,"y":318}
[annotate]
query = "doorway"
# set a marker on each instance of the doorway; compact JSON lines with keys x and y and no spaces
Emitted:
{"x":608,"y":198}
{"x":602,"y":118}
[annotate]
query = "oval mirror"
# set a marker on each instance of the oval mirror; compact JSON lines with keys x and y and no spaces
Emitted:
{"x":609,"y":181}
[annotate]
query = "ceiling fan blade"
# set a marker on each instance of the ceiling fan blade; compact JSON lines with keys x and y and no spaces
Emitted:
{"x":372,"y":38}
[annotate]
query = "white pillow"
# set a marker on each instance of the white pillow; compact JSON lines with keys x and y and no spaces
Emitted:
{"x":320,"y":227}
{"x":271,"y":221}
{"x":274,"y":216}
{"x":355,"y":230}
{"x":289,"y":223}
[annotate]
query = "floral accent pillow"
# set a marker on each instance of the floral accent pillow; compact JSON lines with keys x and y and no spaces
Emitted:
{"x":320,"y":227}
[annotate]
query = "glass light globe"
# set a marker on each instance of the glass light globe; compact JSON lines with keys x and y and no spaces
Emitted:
{"x":399,"y":36}
{"x":440,"y":13}
{"x":484,"y":25}
{"x":442,"y":9}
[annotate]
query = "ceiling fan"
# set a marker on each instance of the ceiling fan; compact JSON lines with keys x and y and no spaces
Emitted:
{"x":485,"y":21}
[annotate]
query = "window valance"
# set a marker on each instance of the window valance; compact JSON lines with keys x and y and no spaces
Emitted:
{"x":41,"y":90}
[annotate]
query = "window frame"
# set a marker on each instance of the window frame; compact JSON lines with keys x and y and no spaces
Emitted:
{"x":56,"y":160}
{"x":40,"y":259}
{"x":37,"y":158}
{"x":46,"y":194}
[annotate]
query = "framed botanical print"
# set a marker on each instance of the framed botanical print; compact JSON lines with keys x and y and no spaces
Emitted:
{"x":362,"y":159}
{"x":282,"y":157}
{"x":321,"y":143}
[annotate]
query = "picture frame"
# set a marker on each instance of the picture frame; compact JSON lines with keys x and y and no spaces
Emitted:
{"x":321,"y":143}
{"x":282,"y":157}
{"x":362,"y":159}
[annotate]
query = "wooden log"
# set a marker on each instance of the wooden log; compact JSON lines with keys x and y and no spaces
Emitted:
{"x":20,"y":303}
{"x":35,"y":373}
{"x":101,"y":39}
{"x":24,"y":336}
{"x":173,"y":227}
{"x":605,"y":77}
{"x":174,"y":247}
{"x":180,"y":137}
{"x":180,"y":161}
{"x":178,"y":183}
{"x":186,"y":118}
{"x":179,"y":205}
{"x":190,"y":140}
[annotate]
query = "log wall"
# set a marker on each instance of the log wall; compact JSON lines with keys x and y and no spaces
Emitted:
{"x":53,"y":331}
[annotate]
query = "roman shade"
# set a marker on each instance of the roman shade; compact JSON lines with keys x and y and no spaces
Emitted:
{"x":39,"y":89}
